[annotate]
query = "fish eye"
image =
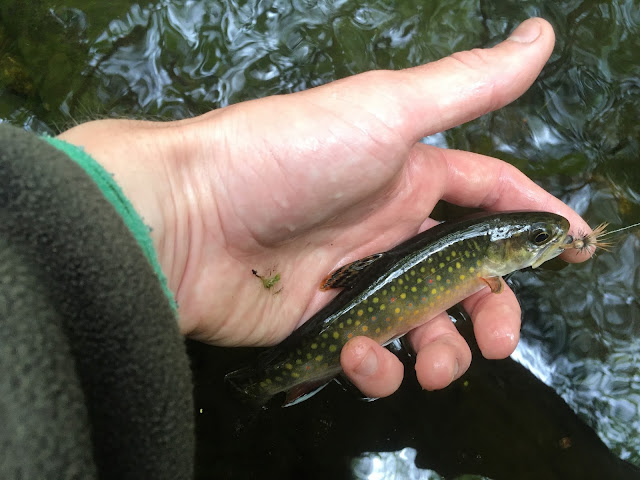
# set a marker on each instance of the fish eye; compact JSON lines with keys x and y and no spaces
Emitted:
{"x":539,"y":236}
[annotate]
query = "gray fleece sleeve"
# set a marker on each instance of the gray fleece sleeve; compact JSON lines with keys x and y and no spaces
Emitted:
{"x":94,"y":378}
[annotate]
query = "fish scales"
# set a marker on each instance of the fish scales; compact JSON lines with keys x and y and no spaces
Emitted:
{"x":394,"y":293}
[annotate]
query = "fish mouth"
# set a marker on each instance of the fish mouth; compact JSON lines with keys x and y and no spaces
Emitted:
{"x":552,"y":251}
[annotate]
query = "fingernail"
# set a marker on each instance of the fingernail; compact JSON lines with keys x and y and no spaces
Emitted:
{"x":527,"y":32}
{"x":369,"y":364}
{"x":456,"y":369}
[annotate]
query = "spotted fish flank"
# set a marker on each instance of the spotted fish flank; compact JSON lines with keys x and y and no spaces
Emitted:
{"x":387,"y":294}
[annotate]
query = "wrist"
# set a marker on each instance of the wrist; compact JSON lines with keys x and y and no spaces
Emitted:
{"x":136,"y":154}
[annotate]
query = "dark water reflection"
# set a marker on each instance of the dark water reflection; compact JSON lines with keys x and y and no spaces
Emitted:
{"x":576,"y":132}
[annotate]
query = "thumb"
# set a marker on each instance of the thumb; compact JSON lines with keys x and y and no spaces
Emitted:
{"x":420,"y":101}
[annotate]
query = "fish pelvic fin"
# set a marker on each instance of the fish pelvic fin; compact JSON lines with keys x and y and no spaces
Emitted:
{"x":495,"y":284}
{"x":346,"y":276}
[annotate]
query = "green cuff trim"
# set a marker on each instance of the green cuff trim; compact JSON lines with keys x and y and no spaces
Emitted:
{"x":114,"y":194}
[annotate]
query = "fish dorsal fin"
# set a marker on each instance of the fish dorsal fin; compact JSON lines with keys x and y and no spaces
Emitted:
{"x":346,"y":276}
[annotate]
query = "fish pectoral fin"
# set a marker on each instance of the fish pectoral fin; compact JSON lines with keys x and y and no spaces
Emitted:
{"x":495,"y":283}
{"x":301,"y":392}
{"x":346,"y":276}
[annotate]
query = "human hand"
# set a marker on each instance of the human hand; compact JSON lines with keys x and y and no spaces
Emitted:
{"x":301,"y":184}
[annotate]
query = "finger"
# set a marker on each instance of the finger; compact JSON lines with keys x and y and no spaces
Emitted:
{"x":474,"y":180}
{"x":372,"y":368}
{"x":440,"y":95}
{"x":496,"y":321}
{"x":442,"y":354}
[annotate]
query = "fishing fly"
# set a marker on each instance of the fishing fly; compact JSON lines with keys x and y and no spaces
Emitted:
{"x":590,"y":242}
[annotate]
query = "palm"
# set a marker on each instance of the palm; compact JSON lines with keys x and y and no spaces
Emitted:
{"x":340,"y":190}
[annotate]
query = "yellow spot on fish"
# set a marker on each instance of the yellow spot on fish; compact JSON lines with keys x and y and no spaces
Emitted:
{"x":375,"y":300}
{"x":295,"y":374}
{"x":263,"y":384}
{"x":448,"y":291}
{"x":360,"y":312}
{"x":349,"y":321}
{"x":269,"y":382}
{"x":414,"y":289}
{"x":418,"y":280}
{"x":431,"y":304}
{"x":336,"y":335}
{"x":365,"y":328}
{"x":288,"y":366}
{"x":388,"y":327}
{"x":438,"y":278}
{"x":471,"y":270}
{"x":403,"y":295}
{"x":400,"y":319}
{"x":382,"y":307}
{"x":433,"y":270}
{"x":433,"y":291}
{"x":384,"y":292}
{"x":378,"y":330}
{"x":314,"y":346}
{"x":458,"y":265}
{"x":319,"y":358}
{"x":448,"y":258}
{"x":448,"y":281}
{"x":341,"y":325}
{"x":325,"y":335}
{"x":441,"y":265}
{"x":298,"y":361}
{"x":450,"y":269}
{"x":462,"y":277}
{"x":308,"y":356}
{"x":393,"y":288}
{"x":442,"y":289}
{"x":357,"y":322}
{"x":397,"y":310}
{"x":479,"y":263}
{"x":412,"y":272}
{"x":278,"y":379}
{"x":453,"y":254}
{"x":467,"y":254}
{"x":422,"y":269}
{"x":400,"y":281}
{"x":332,"y":348}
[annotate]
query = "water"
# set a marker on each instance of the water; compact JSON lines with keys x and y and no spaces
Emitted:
{"x":575,"y":132}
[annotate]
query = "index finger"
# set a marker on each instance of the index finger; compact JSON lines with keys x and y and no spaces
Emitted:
{"x":474,"y":180}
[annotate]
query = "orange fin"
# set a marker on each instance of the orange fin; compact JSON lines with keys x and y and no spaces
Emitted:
{"x":346,"y":275}
{"x":495,"y":283}
{"x":301,"y":392}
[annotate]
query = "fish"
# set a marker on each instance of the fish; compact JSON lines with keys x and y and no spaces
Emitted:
{"x":387,"y":294}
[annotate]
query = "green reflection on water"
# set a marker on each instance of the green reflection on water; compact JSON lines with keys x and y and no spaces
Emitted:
{"x":576,"y":132}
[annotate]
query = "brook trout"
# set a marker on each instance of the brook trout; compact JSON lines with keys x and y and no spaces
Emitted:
{"x":387,"y":294}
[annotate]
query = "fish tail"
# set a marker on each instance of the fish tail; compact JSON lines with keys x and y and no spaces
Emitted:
{"x":246,"y":385}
